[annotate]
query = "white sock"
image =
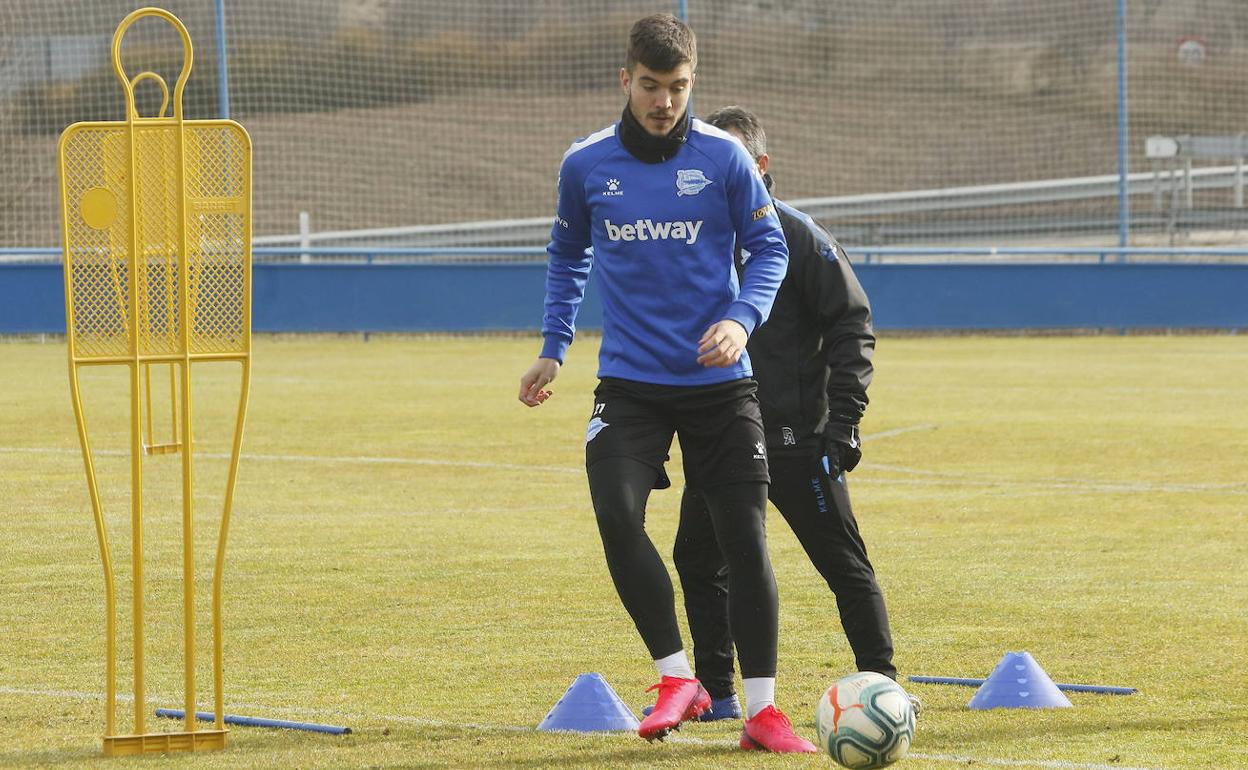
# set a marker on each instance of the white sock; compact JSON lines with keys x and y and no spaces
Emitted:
{"x":676,"y":664}
{"x":760,"y":692}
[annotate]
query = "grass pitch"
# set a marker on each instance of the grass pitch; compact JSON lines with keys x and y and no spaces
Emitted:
{"x":413,"y":554}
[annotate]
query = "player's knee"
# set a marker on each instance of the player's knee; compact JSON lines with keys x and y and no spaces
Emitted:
{"x":698,"y":566}
{"x":618,"y":521}
{"x":688,"y":553}
{"x":619,"y":488}
{"x":614,"y":525}
{"x":751,"y":564}
{"x":852,"y":582}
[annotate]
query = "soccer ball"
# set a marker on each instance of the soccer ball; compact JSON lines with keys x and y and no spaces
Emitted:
{"x":865,"y":721}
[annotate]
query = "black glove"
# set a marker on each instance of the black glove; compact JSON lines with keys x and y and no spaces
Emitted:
{"x":841,"y":447}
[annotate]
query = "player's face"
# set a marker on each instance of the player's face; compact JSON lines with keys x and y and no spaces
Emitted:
{"x":657,"y":99}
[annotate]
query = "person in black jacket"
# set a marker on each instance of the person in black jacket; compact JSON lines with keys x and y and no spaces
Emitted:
{"x":812,"y":361}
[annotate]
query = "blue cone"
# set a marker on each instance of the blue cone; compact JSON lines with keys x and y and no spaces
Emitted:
{"x":1018,"y":682}
{"x":590,"y":706}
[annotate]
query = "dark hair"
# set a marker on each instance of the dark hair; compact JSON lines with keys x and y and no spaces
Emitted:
{"x":746,"y":124}
{"x":662,"y":43}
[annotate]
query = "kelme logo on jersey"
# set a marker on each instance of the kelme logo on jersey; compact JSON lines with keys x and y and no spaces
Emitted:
{"x":690,"y":181}
{"x":649,"y":230}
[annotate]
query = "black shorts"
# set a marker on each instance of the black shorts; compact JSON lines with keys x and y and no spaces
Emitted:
{"x":720,"y":429}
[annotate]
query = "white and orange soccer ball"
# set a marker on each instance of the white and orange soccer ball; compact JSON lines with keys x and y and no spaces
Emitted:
{"x":865,"y":721}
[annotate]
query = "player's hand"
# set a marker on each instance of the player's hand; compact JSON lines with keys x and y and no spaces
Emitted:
{"x":540,"y":374}
{"x":722,"y":344}
{"x":842,"y":448}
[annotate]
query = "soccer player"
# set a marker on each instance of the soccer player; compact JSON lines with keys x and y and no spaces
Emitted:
{"x":662,"y":198}
{"x":812,"y":361}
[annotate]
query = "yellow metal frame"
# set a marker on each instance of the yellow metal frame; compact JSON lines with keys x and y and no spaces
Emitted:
{"x":156,"y":222}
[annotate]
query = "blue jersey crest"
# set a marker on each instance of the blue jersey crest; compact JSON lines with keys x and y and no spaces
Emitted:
{"x":690,"y":181}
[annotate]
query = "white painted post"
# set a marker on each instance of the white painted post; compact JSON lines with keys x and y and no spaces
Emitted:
{"x":1187,"y":184}
{"x":305,"y":236}
{"x":1239,"y":182}
{"x":1156,"y":185}
{"x":1239,"y":173}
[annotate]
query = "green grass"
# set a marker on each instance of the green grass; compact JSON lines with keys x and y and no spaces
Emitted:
{"x":1083,"y":499}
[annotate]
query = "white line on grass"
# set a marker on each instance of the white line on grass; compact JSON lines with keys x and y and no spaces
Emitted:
{"x":363,"y":460}
{"x":344,"y":717}
{"x":926,"y":477}
{"x":74,"y":694}
{"x":950,"y":478}
{"x":407,"y":461}
{"x":899,"y":431}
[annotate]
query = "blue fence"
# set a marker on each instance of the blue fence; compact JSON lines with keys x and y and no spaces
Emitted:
{"x":466,"y":297}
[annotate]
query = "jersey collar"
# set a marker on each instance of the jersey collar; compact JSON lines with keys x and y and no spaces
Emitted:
{"x":647,"y":148}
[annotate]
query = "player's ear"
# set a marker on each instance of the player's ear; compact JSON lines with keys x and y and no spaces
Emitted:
{"x":763,"y":161}
{"x":625,"y":78}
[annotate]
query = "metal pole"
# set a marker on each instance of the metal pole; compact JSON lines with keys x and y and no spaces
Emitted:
{"x":1239,"y":172}
{"x":1156,"y":185}
{"x":223,"y":68}
{"x":1124,"y":196}
{"x":682,"y":13}
{"x":1098,"y":688}
{"x":1239,"y":182}
{"x":305,"y":235}
{"x":234,"y":719}
{"x":1187,"y":184}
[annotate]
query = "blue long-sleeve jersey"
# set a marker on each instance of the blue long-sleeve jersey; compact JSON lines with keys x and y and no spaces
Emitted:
{"x":662,"y":237}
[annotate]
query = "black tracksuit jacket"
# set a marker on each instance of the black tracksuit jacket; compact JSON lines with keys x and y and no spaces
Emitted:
{"x":812,"y":357}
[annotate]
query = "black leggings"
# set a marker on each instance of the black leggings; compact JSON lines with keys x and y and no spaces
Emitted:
{"x":818,"y":510}
{"x":620,"y":487}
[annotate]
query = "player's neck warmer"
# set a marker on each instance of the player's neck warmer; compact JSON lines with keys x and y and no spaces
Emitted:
{"x":647,"y":148}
